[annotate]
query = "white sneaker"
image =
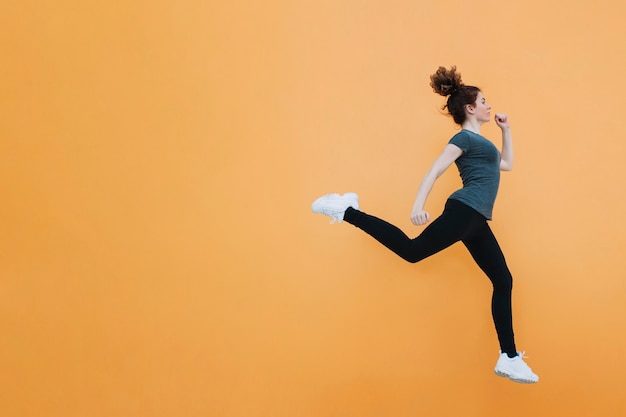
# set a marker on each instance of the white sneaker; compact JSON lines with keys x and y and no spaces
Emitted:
{"x":335,"y":205}
{"x":515,"y":369}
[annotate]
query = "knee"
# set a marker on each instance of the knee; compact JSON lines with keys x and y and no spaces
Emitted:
{"x":503,"y":284}
{"x":411,"y":258}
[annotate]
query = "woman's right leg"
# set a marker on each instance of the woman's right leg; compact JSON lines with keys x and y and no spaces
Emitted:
{"x":444,"y":231}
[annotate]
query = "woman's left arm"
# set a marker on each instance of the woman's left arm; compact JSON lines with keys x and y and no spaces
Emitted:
{"x":506,"y":161}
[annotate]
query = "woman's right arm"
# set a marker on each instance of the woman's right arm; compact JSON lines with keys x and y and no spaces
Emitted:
{"x":448,"y":156}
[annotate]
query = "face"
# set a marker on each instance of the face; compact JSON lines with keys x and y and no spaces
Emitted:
{"x":481,"y":109}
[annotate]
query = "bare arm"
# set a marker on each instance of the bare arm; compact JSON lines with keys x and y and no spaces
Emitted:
{"x":448,"y":156}
{"x":506,"y":163}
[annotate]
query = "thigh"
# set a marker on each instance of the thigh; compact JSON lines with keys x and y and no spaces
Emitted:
{"x":486,"y":251}
{"x":450,"y":227}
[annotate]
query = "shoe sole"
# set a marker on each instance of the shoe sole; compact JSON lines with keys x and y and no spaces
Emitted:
{"x":518,"y":380}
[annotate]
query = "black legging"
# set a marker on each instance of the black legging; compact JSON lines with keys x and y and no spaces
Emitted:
{"x":458,"y":222}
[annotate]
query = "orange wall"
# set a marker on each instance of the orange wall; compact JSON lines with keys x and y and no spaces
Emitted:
{"x":158,"y":256}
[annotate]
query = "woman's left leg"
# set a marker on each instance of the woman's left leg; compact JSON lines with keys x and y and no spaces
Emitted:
{"x":486,"y":251}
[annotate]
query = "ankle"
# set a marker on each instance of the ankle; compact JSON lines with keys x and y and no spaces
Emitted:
{"x":350,"y":215}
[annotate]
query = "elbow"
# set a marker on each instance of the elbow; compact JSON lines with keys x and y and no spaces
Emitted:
{"x":433,"y":174}
{"x":506,"y":166}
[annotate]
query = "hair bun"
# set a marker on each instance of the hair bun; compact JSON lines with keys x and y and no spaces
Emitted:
{"x":446,"y":81}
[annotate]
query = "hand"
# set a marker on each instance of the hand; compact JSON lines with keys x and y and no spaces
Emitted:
{"x":502,"y":121}
{"x":420,"y":217}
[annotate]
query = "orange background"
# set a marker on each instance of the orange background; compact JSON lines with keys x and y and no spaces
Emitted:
{"x":158,"y":255}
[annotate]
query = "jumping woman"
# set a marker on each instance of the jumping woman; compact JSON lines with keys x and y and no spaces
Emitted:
{"x":466,"y":211}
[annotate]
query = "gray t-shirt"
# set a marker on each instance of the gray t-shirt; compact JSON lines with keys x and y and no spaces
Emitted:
{"x":479,"y":167}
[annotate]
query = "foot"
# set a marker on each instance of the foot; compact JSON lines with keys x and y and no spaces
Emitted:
{"x":335,"y":205}
{"x":515,"y":369}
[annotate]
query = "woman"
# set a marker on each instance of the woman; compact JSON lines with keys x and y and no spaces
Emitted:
{"x":466,"y":212}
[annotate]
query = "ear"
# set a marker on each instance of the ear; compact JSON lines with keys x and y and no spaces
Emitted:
{"x":469,"y":109}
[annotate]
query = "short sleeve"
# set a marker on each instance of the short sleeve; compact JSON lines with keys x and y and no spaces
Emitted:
{"x":462,"y":140}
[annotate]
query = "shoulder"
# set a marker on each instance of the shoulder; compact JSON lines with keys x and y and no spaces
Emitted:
{"x":462,"y":139}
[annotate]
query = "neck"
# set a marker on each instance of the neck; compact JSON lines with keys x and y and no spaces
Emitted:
{"x":472,"y":125}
